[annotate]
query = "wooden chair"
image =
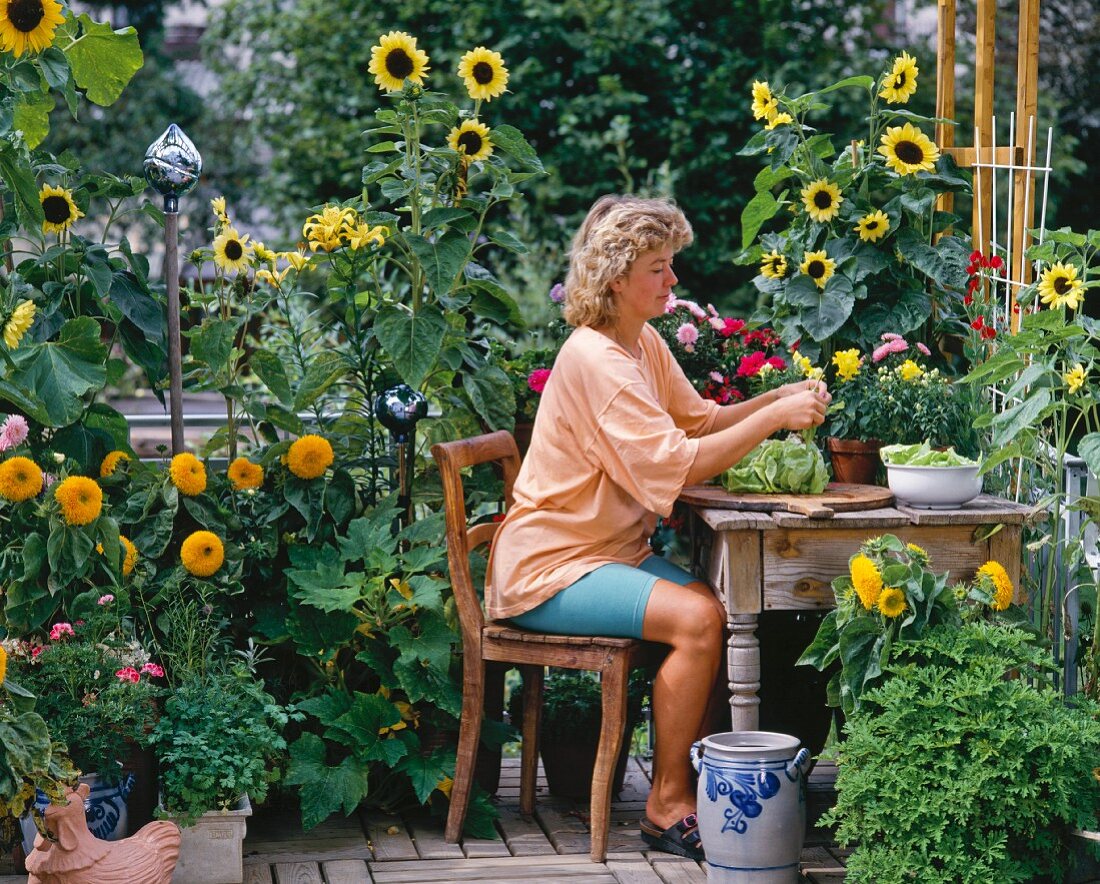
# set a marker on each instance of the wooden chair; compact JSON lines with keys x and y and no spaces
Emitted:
{"x":491,"y":642}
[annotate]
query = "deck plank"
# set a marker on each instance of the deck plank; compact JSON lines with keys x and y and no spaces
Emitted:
{"x":388,"y":836}
{"x":280,"y":839}
{"x":546,"y":868}
{"x":427,"y":835}
{"x":346,"y":871}
{"x":522,"y":833}
{"x":298,"y":873}
{"x":257,"y":873}
{"x":632,"y":870}
{"x":675,"y":869}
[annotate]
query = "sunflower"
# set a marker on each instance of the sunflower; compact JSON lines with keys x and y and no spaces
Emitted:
{"x":918,"y":553}
{"x":774,"y":265}
{"x":309,"y":457}
{"x":80,"y":499}
{"x":471,"y":139}
{"x":396,"y":59}
{"x":900,"y":83}
{"x":866,"y":580}
{"x":779,"y":120}
{"x":484,"y":73}
{"x":21,"y":319}
{"x":218,"y":205}
{"x":847,"y":363}
{"x":1075,"y":378}
{"x":1002,"y":584}
{"x":873,"y":226}
{"x":58,"y":209}
{"x":1059,"y":286}
{"x":909,"y":370}
{"x":20,"y":479}
{"x":908,"y":150}
{"x":232,"y":252}
{"x":131,"y":557}
{"x":244,"y":474}
{"x":891,"y":603}
{"x":818,"y":267}
{"x":188,"y":474}
{"x":28,"y":25}
{"x":822,"y":200}
{"x":764,"y":104}
{"x":111,"y":462}
{"x":202,"y":553}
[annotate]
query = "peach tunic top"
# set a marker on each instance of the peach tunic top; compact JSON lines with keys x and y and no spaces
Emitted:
{"x":614,"y":438}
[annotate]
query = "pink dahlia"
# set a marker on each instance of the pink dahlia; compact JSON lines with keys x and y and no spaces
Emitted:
{"x":13,"y":431}
{"x":751,"y":364}
{"x":687,"y":334}
{"x":537,"y":379}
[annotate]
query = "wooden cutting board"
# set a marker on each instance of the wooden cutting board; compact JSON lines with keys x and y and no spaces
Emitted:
{"x":837,"y":498}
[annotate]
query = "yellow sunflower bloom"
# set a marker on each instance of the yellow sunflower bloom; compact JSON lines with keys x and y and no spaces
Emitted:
{"x":822,"y":200}
{"x":471,"y":139}
{"x":891,"y":603}
{"x":20,"y":321}
{"x":1002,"y":584}
{"x":309,"y":457}
{"x":484,"y":73}
{"x":847,"y":363}
{"x":244,"y":474}
{"x":1060,"y":287}
{"x":232,"y":252}
{"x":1075,"y":378}
{"x":58,"y":208}
{"x":28,"y":25}
{"x":908,"y":150}
{"x":783,"y":119}
{"x":131,"y":557}
{"x":818,"y":266}
{"x":20,"y":479}
{"x":764,"y":104}
{"x":873,"y":226}
{"x":909,"y":370}
{"x":218,"y":205}
{"x":80,"y":499}
{"x":900,"y":83}
{"x":363,"y":234}
{"x":202,"y":553}
{"x":774,"y":265}
{"x":396,"y":59}
{"x":917,"y":552}
{"x":111,"y":462}
{"x":866,"y":580}
{"x":188,"y":474}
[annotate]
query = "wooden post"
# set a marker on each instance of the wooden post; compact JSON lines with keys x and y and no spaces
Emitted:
{"x":1027,"y":91}
{"x":983,"y":122}
{"x":945,"y":86}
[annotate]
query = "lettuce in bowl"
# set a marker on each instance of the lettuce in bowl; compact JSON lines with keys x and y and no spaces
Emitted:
{"x":922,"y":455}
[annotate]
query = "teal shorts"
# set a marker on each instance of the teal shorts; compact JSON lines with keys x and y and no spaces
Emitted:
{"x":608,"y":601}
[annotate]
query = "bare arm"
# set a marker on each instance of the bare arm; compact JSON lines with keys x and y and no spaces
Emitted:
{"x":729,"y":415}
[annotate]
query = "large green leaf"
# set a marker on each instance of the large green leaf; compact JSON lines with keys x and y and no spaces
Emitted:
{"x":26,"y":743}
{"x":442,"y":259}
{"x":32,"y":116}
{"x":134,"y":298}
{"x":413,"y":341}
{"x":511,"y":141}
{"x":492,"y":395}
{"x":59,"y":373}
{"x":1012,"y":420}
{"x":359,"y":728}
{"x":270,"y":369}
{"x":212,"y":343}
{"x":821,"y":311}
{"x":760,"y":208}
{"x":319,"y":635}
{"x":1089,"y":449}
{"x":103,"y":60}
{"x":371,"y":531}
{"x":15,"y":169}
{"x":325,"y":369}
{"x":324,"y":789}
{"x":326,"y":587}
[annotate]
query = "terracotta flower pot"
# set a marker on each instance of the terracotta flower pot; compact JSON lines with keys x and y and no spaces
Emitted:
{"x":854,"y":462}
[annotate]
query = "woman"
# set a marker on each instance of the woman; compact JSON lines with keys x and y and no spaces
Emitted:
{"x":619,"y":432}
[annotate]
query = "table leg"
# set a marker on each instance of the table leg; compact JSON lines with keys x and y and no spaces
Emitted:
{"x":744,"y":672}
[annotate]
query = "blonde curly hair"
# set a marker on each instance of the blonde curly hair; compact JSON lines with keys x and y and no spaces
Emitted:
{"x":616,"y":230}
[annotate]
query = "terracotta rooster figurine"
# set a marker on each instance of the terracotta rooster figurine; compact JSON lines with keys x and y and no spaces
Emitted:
{"x":78,"y":857}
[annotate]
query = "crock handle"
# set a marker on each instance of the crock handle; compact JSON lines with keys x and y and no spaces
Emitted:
{"x":696,"y":755}
{"x":799,"y":765}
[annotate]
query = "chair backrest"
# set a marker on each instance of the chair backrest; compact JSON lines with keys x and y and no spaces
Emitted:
{"x":452,"y":458}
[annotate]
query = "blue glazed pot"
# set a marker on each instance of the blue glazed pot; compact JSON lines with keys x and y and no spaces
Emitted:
{"x":104,"y":808}
{"x":751,"y":805}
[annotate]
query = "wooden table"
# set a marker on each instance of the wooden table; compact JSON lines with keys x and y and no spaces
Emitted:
{"x":782,"y":561}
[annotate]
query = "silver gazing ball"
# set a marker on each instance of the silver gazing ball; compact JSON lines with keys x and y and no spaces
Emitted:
{"x":399,"y":408}
{"x":172,"y":166}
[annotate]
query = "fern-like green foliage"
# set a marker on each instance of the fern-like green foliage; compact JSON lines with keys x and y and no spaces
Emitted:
{"x":965,"y":765}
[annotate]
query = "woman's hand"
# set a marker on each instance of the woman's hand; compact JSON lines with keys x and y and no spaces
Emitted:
{"x":802,"y":386}
{"x":803,"y":406}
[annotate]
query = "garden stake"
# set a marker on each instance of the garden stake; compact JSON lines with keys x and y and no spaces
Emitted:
{"x":399,"y":408}
{"x":172,"y":166}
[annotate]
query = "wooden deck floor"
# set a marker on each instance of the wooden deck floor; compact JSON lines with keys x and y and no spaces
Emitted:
{"x":552,"y":845}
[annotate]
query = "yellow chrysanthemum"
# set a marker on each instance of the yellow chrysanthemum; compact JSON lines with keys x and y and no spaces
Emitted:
{"x":818,"y":266}
{"x":1002,"y":584}
{"x":28,"y":25}
{"x":326,"y":231}
{"x":1075,"y":377}
{"x":866,"y":580}
{"x":80,"y":499}
{"x":4,"y":670}
{"x":295,"y":259}
{"x":909,"y":370}
{"x":783,"y":119}
{"x":20,"y":479}
{"x":111,"y":462}
{"x":363,"y":234}
{"x":908,"y":150}
{"x":202,"y":553}
{"x":58,"y":208}
{"x":847,"y":363}
{"x":188,"y":474}
{"x":232,"y":252}
{"x":1060,"y":287}
{"x":131,"y":557}
{"x":873,"y":226}
{"x":396,"y":59}
{"x":309,"y":457}
{"x":244,"y":474}
{"x":891,"y":603}
{"x":899,"y":85}
{"x":471,"y":139}
{"x":764,"y":104}
{"x":484,"y":73}
{"x":218,"y":205}
{"x":20,"y":321}
{"x":822,"y":200}
{"x":774,"y":265}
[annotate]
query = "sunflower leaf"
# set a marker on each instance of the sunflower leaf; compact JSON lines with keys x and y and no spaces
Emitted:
{"x":760,"y":208}
{"x":510,"y":140}
{"x":414,"y":341}
{"x":867,"y":83}
{"x":919,"y":118}
{"x":103,"y":60}
{"x":32,"y":116}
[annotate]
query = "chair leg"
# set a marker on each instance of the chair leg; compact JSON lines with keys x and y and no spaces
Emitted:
{"x":612,"y":725}
{"x":469,"y":736}
{"x":532,"y":715}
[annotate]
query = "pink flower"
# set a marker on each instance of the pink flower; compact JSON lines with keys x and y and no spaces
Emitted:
{"x":897,"y":345}
{"x":923,"y":349}
{"x":731,"y":327}
{"x":777,"y":362}
{"x":557,"y":293}
{"x":890,"y":336}
{"x":687,"y":334}
{"x":153,"y":670}
{"x":713,"y":313}
{"x":60,"y":629}
{"x":128,"y":674}
{"x":717,"y":323}
{"x":692,"y":308}
{"x":105,"y":599}
{"x":750,"y":365}
{"x":36,"y":650}
{"x":13,"y":431}
{"x":536,"y":380}
{"x":717,"y":377}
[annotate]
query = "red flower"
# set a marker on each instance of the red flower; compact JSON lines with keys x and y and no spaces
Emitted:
{"x":978,"y":324}
{"x":731,"y":327}
{"x":968,"y":300}
{"x":777,"y":362}
{"x":537,"y":379}
{"x":988,"y":333}
{"x":751,"y":364}
{"x":996,"y":263}
{"x":975,"y":257}
{"x":972,"y":269}
{"x":153,"y":669}
{"x":973,"y":284}
{"x":128,"y":674}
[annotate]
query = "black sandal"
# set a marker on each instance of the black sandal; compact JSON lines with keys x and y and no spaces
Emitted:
{"x":681,"y":839}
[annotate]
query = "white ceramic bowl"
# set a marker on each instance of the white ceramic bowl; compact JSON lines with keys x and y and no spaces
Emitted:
{"x":937,"y":488}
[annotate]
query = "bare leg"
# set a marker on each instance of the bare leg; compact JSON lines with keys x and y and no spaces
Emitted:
{"x":688,"y":619}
